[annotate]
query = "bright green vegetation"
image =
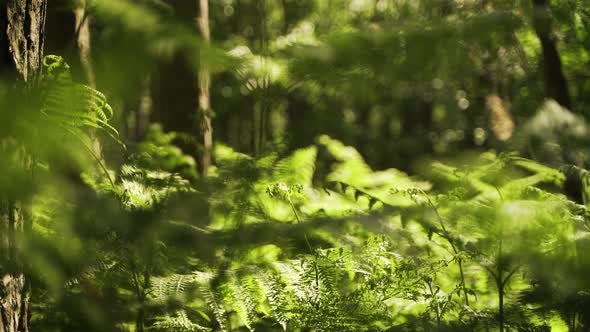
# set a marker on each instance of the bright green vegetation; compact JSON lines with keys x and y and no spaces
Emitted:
{"x":377,"y":165}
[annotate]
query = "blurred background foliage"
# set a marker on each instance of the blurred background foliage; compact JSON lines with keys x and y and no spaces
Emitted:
{"x":378,"y":165}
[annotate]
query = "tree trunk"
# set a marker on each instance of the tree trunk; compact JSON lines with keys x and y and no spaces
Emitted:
{"x":416,"y":124}
{"x":14,"y":286}
{"x":83,"y":41}
{"x":556,"y":86}
{"x":144,"y":106}
{"x":501,"y":120}
{"x":82,"y":26}
{"x":22,"y":25}
{"x":204,"y":96}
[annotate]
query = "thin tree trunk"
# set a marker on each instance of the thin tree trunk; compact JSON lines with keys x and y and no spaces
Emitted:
{"x":22,"y":24}
{"x":204,"y":96}
{"x":83,"y":41}
{"x":556,"y":85}
{"x":82,"y":25}
{"x":142,"y":114}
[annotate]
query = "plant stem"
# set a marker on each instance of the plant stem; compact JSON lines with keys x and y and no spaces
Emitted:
{"x":436,"y":308}
{"x":501,"y":305}
{"x":455,"y":250}
{"x":299,"y":222}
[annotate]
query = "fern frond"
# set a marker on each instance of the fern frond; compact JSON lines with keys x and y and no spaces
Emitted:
{"x":215,"y":304}
{"x":178,"y":322}
{"x":72,"y":105}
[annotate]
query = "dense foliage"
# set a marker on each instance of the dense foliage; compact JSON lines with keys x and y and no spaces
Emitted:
{"x":377,"y":165}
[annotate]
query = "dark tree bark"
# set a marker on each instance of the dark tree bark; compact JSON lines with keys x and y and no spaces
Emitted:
{"x":14,"y":286}
{"x":22,"y":25}
{"x":556,"y":86}
{"x":416,"y":124}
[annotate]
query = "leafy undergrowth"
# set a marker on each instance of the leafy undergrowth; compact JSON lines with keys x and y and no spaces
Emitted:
{"x":318,"y":241}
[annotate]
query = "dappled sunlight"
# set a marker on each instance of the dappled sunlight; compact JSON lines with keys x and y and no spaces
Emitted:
{"x":295,"y":165}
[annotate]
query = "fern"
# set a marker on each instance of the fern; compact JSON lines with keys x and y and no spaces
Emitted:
{"x":178,"y":322}
{"x":215,"y":304}
{"x":71,"y":105}
{"x":241,"y":299}
{"x":399,"y":255}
